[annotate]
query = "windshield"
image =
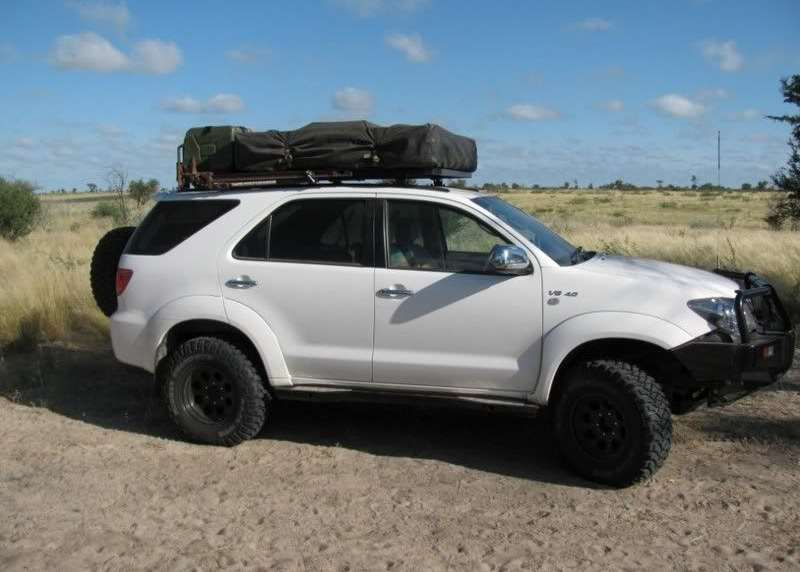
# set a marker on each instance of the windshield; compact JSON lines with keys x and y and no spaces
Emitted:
{"x":542,"y":237}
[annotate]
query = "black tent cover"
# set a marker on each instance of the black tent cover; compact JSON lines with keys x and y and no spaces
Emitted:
{"x":346,"y":145}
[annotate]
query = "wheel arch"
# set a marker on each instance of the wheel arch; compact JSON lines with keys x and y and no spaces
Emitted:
{"x":644,"y":340}
{"x":185,"y":330}
{"x":660,"y":363}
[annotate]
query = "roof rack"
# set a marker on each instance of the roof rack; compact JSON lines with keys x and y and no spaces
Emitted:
{"x":192,"y":179}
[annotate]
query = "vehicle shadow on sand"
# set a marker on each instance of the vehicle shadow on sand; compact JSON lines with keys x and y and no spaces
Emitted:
{"x":92,"y":387}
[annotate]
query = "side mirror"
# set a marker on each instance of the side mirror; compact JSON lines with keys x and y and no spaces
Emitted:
{"x":509,"y":259}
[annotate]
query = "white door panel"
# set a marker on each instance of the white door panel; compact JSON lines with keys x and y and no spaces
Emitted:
{"x":321,"y":314}
{"x":458,"y":330}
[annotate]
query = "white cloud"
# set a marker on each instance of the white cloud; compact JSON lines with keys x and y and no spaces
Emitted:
{"x":88,"y":51}
{"x":9,"y":53}
{"x":92,"y":52}
{"x":707,"y":94}
{"x":114,"y":13}
{"x":592,"y":24}
{"x":354,"y":101}
{"x":612,"y":105}
{"x":722,"y":54}
{"x":760,"y":137}
{"x":412,"y":45}
{"x":221,"y":103}
{"x":156,"y":57}
{"x":749,"y":114}
{"x":24,"y":142}
{"x":678,"y":106}
{"x":110,"y":130}
{"x":373,"y":8}
{"x":527,"y":112}
{"x":247,"y":55}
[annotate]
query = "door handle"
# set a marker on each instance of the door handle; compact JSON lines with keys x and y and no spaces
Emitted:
{"x":241,"y":283}
{"x":394,"y":292}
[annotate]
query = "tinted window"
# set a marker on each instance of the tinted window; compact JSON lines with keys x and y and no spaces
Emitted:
{"x":172,"y":222}
{"x":254,"y":245}
{"x":545,"y":239}
{"x":329,"y":231}
{"x":426,"y":236}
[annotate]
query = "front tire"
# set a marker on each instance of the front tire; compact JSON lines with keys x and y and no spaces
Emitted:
{"x":612,"y":423}
{"x":214,"y":393}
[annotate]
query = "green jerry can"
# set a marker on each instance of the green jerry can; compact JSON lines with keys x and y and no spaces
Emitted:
{"x":211,"y":147}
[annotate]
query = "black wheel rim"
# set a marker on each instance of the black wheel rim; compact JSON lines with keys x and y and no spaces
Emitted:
{"x":599,"y":427}
{"x":209,"y":395}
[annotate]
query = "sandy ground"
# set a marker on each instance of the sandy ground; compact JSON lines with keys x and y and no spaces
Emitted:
{"x":93,"y":477}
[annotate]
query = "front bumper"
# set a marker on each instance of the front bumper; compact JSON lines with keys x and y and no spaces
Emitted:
{"x":758,"y":362}
{"x":730,"y":369}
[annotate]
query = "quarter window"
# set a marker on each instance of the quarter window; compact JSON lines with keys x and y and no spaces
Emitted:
{"x":171,"y":222}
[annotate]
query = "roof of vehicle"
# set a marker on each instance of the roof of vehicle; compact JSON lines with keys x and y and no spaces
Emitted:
{"x":299,"y":189}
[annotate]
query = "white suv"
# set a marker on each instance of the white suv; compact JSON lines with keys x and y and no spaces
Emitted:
{"x":237,"y":299}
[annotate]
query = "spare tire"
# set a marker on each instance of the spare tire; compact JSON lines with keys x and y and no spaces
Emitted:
{"x":103,"y":273}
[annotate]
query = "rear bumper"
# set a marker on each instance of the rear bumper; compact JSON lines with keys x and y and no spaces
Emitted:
{"x":134,"y":340}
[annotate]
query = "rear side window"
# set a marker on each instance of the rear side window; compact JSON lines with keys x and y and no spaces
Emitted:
{"x":325,"y":231}
{"x":172,"y":222}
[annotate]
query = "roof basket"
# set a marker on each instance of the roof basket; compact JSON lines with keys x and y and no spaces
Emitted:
{"x":226,"y":157}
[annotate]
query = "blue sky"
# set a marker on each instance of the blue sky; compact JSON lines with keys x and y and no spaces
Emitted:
{"x":552,"y":90}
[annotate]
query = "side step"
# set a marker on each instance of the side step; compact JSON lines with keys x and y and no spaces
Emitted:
{"x":344,"y":394}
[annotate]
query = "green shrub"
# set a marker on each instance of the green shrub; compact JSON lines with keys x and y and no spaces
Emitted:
{"x":109,"y":209}
{"x":668,"y":205}
{"x":19,"y":207}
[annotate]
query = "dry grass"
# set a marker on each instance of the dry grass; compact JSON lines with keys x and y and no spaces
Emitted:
{"x":44,"y":278}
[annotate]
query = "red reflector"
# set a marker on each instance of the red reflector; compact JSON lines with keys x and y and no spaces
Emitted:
{"x":123,"y":277}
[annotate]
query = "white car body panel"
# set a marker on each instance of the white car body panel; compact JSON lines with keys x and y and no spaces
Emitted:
{"x":462,"y":333}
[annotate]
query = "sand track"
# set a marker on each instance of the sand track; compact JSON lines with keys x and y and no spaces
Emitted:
{"x":94,"y":477}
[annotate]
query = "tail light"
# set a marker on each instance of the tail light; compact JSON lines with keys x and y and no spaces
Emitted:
{"x":124,"y":276}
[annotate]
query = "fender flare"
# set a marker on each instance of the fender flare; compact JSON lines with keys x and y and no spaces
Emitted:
{"x":237,"y":315}
{"x":251,"y":324}
{"x":559,"y":342}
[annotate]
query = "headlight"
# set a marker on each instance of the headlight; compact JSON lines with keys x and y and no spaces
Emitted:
{"x":717,"y":311}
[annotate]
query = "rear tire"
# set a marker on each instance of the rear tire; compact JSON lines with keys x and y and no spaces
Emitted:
{"x":214,"y":393}
{"x":103,"y":273}
{"x":612,"y":423}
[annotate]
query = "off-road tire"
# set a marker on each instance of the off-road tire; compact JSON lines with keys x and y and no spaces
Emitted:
{"x":103,"y":273}
{"x":229,"y":377}
{"x":612,"y":422}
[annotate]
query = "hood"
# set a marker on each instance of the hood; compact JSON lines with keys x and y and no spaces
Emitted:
{"x":693,"y":281}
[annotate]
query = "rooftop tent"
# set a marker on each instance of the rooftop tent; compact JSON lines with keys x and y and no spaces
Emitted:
{"x":354,"y":150}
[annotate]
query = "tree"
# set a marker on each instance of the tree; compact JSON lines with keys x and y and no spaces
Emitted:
{"x":141,"y":190}
{"x":92,"y":187}
{"x":746,"y":186}
{"x":117,"y":180}
{"x":787,"y":179}
{"x":566,"y":184}
{"x":591,"y":186}
{"x":694,"y":181}
{"x":19,"y":207}
{"x":660,"y":183}
{"x":762,"y":185}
